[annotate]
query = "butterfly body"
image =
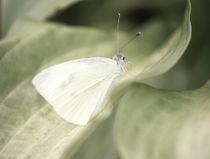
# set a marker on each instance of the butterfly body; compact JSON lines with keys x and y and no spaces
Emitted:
{"x":78,"y":89}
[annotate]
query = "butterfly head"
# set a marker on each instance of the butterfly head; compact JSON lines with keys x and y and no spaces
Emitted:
{"x":120,"y":56}
{"x":120,"y":59}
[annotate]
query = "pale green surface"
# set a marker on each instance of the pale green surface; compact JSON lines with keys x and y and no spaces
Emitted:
{"x":159,"y":124}
{"x":29,"y":127}
{"x":99,"y":144}
{"x":36,"y":9}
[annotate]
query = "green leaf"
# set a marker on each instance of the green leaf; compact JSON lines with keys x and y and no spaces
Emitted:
{"x":161,"y":124}
{"x":29,"y":127}
{"x":99,"y":144}
{"x":44,"y":44}
{"x":14,"y":10}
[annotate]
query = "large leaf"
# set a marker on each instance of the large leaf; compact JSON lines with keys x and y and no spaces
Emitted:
{"x":29,"y":127}
{"x":49,"y":44}
{"x":13,"y":10}
{"x":159,"y":124}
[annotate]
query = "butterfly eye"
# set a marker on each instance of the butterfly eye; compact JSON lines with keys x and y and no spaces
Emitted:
{"x":123,"y":58}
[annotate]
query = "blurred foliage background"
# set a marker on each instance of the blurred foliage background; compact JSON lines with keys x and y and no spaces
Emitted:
{"x":159,"y":110}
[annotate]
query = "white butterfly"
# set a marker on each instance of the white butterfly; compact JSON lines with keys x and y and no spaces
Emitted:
{"x":77,"y":89}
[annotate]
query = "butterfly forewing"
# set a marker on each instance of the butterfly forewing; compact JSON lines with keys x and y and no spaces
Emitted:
{"x":78,"y":88}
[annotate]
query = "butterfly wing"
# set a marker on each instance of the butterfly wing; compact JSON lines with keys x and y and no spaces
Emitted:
{"x":77,"y":89}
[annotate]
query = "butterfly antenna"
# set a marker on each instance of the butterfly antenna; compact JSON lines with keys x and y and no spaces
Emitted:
{"x":118,"y":35}
{"x":129,"y":41}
